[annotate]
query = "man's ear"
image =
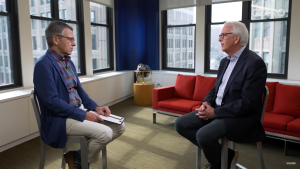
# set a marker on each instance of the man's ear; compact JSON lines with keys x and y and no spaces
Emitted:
{"x":55,"y":40}
{"x":237,"y":39}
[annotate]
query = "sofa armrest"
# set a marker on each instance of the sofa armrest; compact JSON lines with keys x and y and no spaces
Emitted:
{"x":162,"y":93}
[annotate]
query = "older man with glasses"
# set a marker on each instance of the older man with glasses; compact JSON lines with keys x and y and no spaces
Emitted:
{"x":63,"y":102}
{"x":232,"y":107}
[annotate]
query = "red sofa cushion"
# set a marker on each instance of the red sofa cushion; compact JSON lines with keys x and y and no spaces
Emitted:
{"x":184,"y":86}
{"x":272,"y":87}
{"x":287,"y":100}
{"x":203,"y":86}
{"x":294,"y":126}
{"x":195,"y":107}
{"x":178,"y":104}
{"x":277,"y":121}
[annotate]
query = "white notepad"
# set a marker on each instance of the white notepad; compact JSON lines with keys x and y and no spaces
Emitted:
{"x":111,"y":118}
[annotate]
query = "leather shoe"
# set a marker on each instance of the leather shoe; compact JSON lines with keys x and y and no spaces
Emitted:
{"x":70,"y":159}
{"x":232,"y":158}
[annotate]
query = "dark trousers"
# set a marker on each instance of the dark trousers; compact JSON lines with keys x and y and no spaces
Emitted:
{"x":203,"y":133}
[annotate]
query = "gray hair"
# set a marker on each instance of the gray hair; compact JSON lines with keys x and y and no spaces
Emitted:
{"x":55,"y":28}
{"x":239,"y":28}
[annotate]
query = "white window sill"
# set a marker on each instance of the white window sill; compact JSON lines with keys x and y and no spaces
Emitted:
{"x":20,"y":92}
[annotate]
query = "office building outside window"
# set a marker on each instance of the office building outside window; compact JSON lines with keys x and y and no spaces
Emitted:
{"x":268,"y":25}
{"x":101,"y":32}
{"x":179,"y":29}
{"x":10,"y":72}
{"x":42,"y":15}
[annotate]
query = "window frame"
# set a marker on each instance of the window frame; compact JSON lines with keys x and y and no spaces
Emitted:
{"x":54,"y":6}
{"x":14,"y":47}
{"x":109,"y":25}
{"x":164,"y":22}
{"x":246,"y":19}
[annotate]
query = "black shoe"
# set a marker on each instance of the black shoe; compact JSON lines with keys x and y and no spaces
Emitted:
{"x":232,"y":158}
{"x":70,"y":159}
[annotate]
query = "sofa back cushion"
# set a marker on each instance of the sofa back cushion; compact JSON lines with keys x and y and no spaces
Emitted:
{"x":287,"y":100}
{"x":203,"y":86}
{"x":184,"y":86}
{"x":272,"y":87}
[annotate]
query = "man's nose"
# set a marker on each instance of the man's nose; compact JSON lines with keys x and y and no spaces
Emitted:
{"x":74,"y":44}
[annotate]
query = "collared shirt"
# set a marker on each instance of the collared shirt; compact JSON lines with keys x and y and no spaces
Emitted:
{"x":69,"y":75}
{"x":233,"y":59}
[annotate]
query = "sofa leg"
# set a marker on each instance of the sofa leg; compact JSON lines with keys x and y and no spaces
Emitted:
{"x":285,"y":147}
{"x":154,"y":118}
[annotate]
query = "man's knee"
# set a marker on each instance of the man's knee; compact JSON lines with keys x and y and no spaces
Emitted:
{"x":120,"y":129}
{"x":204,"y":137}
{"x":178,"y":125}
{"x":105,"y":136}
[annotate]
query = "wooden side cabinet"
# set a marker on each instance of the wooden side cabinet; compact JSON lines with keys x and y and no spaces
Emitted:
{"x":142,"y":94}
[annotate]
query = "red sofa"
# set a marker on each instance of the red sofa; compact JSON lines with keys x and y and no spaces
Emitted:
{"x":282,"y":115}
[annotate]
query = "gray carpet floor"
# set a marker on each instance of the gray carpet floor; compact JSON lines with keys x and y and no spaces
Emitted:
{"x":145,"y":145}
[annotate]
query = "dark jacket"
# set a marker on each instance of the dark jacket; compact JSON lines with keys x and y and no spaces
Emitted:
{"x":51,"y":89}
{"x":242,"y":100}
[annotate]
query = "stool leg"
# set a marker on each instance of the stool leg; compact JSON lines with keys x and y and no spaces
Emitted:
{"x":43,"y":153}
{"x":260,"y":155}
{"x":224,"y":153}
{"x":285,"y":147}
{"x":84,"y":153}
{"x":63,"y":162}
{"x":104,"y":158}
{"x":198,"y":157}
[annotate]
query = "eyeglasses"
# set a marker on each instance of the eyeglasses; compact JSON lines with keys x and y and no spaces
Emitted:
{"x":69,"y":38}
{"x":223,"y":34}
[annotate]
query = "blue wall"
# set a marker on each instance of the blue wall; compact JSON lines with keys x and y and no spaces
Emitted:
{"x":137,"y":33}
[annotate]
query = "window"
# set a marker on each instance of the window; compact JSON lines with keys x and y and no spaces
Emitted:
{"x":101,"y":30}
{"x":4,"y":44}
{"x":266,"y":58}
{"x":33,"y":24}
{"x":32,"y":3}
{"x":93,"y":16}
{"x":9,"y":45}
{"x":54,"y":10}
{"x":44,"y":43}
{"x":34,"y":43}
{"x":182,"y":21}
{"x":94,"y":63}
{"x":268,"y":22}
{"x":94,"y":42}
{"x":64,"y":14}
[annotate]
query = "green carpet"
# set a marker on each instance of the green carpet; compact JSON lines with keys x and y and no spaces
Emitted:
{"x":145,"y":145}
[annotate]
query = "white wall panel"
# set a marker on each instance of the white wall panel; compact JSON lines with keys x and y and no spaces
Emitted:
{"x":169,"y":79}
{"x":127,"y":81}
{"x":33,"y":127}
{"x":96,"y":91}
{"x":14,"y":123}
{"x":113,"y":88}
{"x":157,"y":78}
